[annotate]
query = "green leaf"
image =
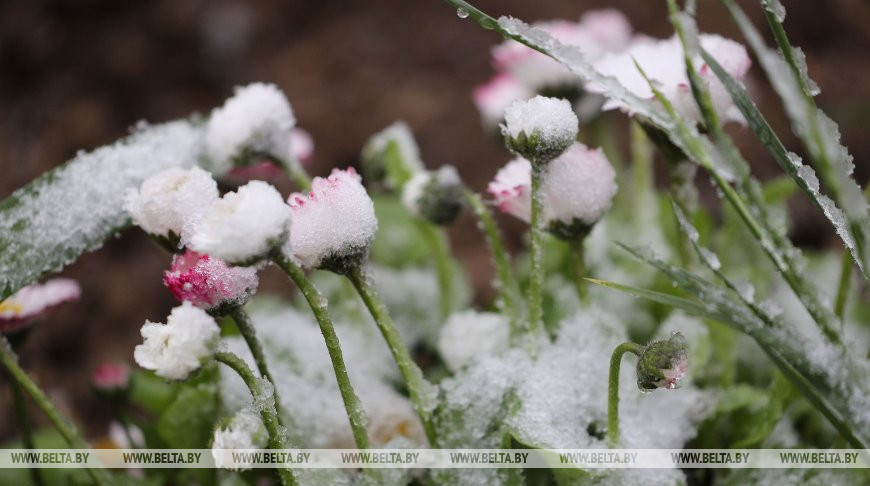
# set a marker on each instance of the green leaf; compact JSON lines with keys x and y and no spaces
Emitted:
{"x":188,"y":422}
{"x":849,"y":215}
{"x":74,"y":208}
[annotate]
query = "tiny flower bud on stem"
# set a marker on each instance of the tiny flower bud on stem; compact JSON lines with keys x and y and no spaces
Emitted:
{"x":613,"y":389}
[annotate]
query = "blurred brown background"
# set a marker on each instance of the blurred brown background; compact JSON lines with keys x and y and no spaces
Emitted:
{"x":75,"y":74}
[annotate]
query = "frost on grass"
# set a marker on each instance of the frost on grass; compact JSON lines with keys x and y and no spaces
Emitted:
{"x":558,"y":400}
{"x":73,"y":209}
{"x":820,"y":135}
{"x":298,"y":359}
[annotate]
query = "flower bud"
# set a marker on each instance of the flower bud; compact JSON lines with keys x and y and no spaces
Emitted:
{"x":169,"y":204}
{"x":334,"y":226}
{"x":111,"y":379}
{"x":20,"y":308}
{"x":242,"y":227}
{"x":435,"y":196}
{"x":245,"y":430}
{"x":254,"y":124}
{"x":301,"y":149}
{"x":209,"y":283}
{"x":540,"y":129}
{"x":663,"y":363}
{"x":577,"y":189}
{"x":391,"y":157}
{"x":493,"y":98}
{"x":176,"y":349}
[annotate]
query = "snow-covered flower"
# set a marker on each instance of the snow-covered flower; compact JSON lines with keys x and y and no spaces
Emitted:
{"x":496,"y":95}
{"x":253,"y":124}
{"x":469,"y":334}
{"x":598,"y":32}
{"x":34,"y":300}
{"x":301,"y":148}
{"x":179,"y":347}
{"x":169,"y":204}
{"x":435,"y":196}
{"x":663,"y":363}
{"x":111,"y":378}
{"x":245,"y":430}
{"x":391,"y":156}
{"x":243,"y":226}
{"x":663,"y":62}
{"x":541,"y":128}
{"x":209,"y":283}
{"x":577,"y":189}
{"x":334,"y":225}
{"x":521,"y":71}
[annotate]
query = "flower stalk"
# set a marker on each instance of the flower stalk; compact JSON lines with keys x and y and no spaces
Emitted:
{"x":269,"y":413}
{"x":507,"y":286}
{"x":353,"y":406}
{"x":578,"y":269}
{"x":69,"y":432}
{"x":613,"y":388}
{"x":440,"y":246}
{"x":536,"y":280}
{"x":249,"y":333}
{"x":411,"y":373}
{"x":24,"y":424}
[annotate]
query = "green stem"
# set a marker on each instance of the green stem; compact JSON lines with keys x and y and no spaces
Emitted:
{"x":843,"y":287}
{"x":536,"y":279}
{"x":578,"y":270}
{"x":613,"y":389}
{"x":268,"y":412}
{"x":64,"y":426}
{"x":411,"y":373}
{"x":295,"y":172}
{"x":24,"y":425}
{"x":353,"y":406}
{"x":249,"y":333}
{"x":440,"y":245}
{"x":507,"y":286}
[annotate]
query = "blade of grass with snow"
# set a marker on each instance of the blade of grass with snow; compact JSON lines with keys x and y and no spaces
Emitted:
{"x":820,"y":135}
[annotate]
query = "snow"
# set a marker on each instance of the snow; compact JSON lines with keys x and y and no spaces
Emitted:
{"x":179,"y":347}
{"x":435,"y":196}
{"x":335,"y":220}
{"x":663,"y":62}
{"x":172,"y":202}
{"x":53,"y":220}
{"x":578,"y":185}
{"x":496,"y":95}
{"x":558,"y":400}
{"x":209,"y":283}
{"x":243,"y":226}
{"x":468,"y":335}
{"x":256,"y":120}
{"x":245,"y":430}
{"x":550,"y":123}
{"x":298,"y":359}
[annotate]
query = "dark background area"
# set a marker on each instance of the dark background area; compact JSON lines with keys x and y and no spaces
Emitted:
{"x":75,"y":74}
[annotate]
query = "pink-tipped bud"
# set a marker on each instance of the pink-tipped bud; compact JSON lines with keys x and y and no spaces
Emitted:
{"x":209,"y":283}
